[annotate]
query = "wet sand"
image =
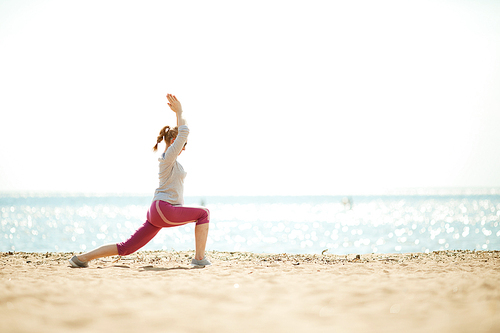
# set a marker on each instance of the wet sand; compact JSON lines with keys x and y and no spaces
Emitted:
{"x":447,"y":291}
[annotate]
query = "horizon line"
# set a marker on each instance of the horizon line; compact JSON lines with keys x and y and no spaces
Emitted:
{"x":393,"y":192}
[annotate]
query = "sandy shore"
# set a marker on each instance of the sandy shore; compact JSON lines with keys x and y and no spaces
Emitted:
{"x":450,"y":291}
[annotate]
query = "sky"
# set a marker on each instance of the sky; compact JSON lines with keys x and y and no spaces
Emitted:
{"x":281,"y":97}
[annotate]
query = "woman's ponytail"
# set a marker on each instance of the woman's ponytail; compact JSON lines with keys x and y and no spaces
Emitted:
{"x":162,"y":136}
{"x":166,"y":134}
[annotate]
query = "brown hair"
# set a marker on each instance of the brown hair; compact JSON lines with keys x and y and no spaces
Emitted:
{"x":166,"y":134}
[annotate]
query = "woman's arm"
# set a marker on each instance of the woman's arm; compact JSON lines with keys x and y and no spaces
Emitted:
{"x":173,"y":150}
{"x":175,"y":105}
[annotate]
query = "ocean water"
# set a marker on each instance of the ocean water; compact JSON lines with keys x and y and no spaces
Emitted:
{"x":362,"y":224}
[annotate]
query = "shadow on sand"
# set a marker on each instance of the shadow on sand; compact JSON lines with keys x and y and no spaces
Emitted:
{"x":160,"y":269}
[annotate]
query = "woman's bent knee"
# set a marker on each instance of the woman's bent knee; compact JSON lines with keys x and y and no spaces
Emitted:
{"x":205,"y":217}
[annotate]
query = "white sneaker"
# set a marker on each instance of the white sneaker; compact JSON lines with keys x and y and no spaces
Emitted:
{"x":200,"y":263}
{"x":77,"y":263}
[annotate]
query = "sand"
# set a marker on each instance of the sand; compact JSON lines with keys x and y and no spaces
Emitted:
{"x":448,"y":291}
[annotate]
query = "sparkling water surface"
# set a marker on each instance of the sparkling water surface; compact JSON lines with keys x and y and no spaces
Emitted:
{"x":362,"y":224}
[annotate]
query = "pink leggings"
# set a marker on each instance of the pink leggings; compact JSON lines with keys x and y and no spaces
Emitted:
{"x":161,"y":214}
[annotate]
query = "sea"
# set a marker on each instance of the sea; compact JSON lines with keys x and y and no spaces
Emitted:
{"x":392,"y":223}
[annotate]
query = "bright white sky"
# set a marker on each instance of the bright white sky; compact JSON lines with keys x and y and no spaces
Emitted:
{"x":282,"y":97}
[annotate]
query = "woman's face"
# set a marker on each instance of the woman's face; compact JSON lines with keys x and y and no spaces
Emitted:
{"x":183,"y":148}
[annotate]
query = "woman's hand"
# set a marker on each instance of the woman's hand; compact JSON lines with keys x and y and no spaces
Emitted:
{"x":174,"y":104}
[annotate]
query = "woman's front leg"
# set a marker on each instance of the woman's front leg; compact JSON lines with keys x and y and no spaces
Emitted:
{"x":200,"y":235}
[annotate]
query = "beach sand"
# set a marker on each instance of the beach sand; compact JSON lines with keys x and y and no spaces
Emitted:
{"x":447,"y":291}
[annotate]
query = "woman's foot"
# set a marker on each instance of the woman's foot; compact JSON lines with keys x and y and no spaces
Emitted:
{"x":77,"y":263}
{"x":200,"y":263}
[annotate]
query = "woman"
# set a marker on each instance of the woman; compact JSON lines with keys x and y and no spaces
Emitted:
{"x":166,"y":209}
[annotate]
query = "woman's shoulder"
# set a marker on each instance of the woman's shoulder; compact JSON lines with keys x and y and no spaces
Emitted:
{"x":162,"y":157}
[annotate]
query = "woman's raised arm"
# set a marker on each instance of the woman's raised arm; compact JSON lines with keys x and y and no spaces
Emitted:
{"x":175,"y":106}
